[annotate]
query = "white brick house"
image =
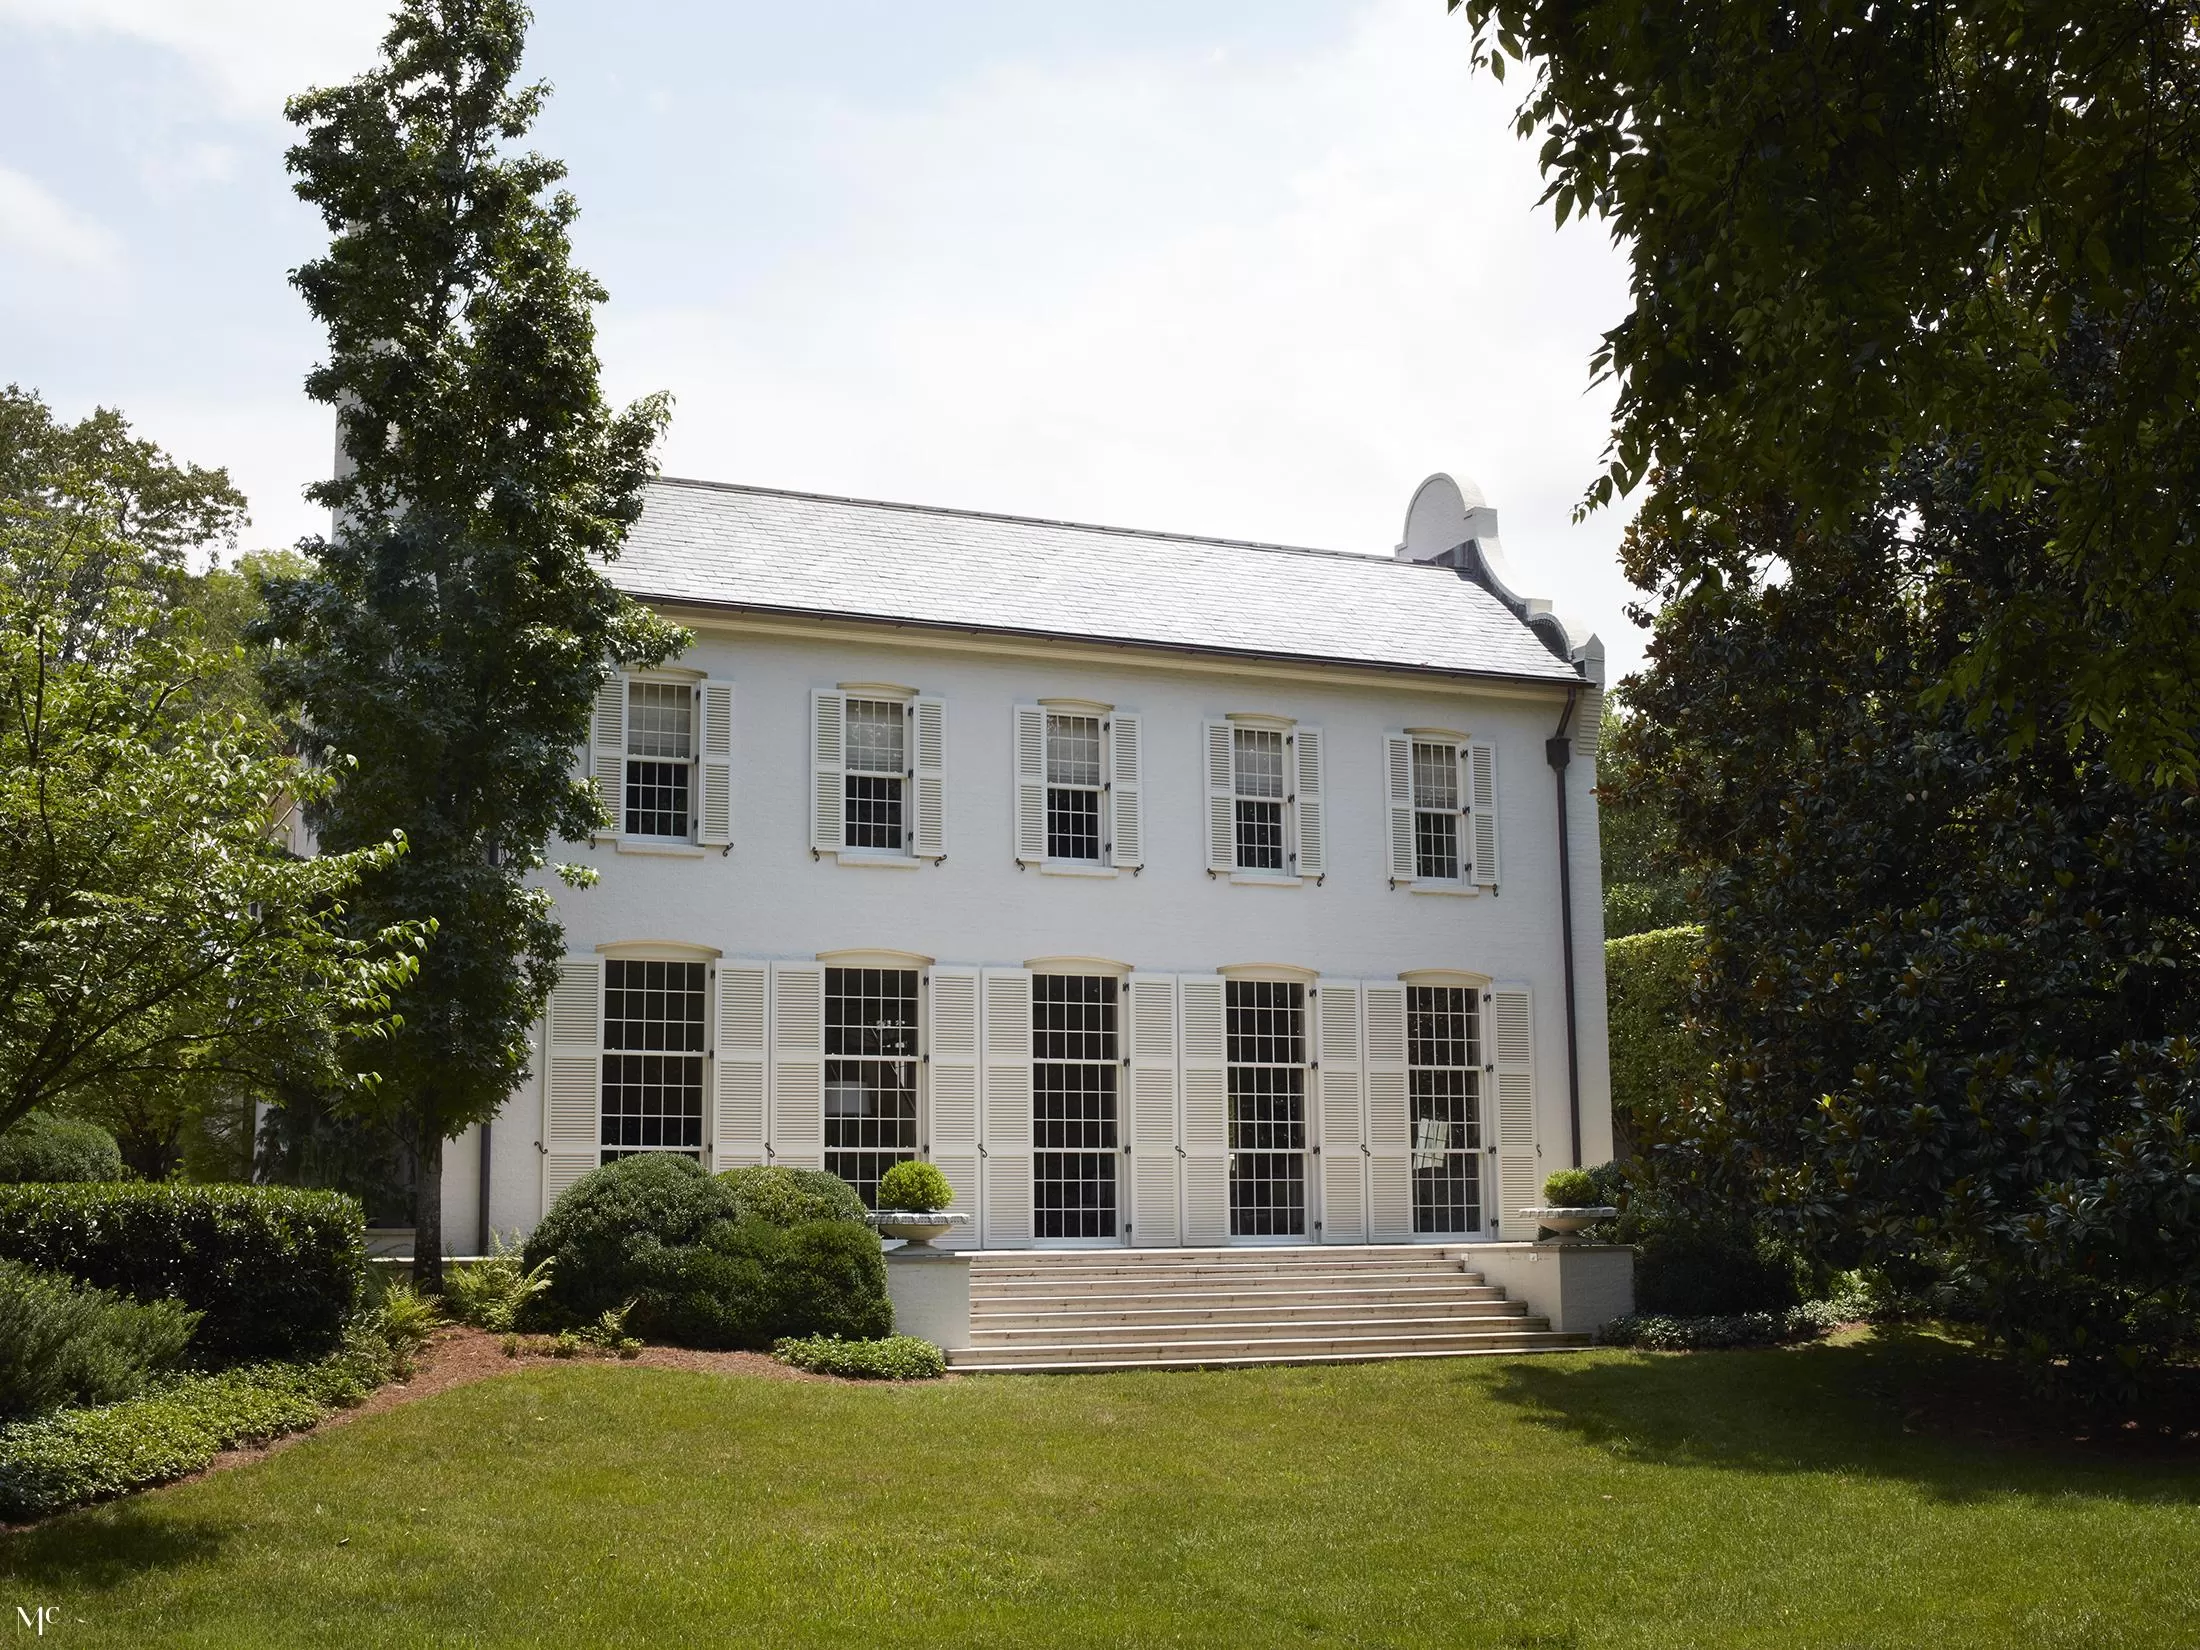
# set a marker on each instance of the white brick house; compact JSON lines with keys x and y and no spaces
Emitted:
{"x":1163,"y":891}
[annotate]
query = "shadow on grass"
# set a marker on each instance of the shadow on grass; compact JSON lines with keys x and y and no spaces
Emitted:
{"x":1897,"y":1405}
{"x":101,"y":1547}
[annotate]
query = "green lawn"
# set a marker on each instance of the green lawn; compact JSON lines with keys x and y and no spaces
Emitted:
{"x":1606,"y":1499}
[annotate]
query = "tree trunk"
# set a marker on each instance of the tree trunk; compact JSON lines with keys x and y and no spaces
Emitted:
{"x":428,"y":1204}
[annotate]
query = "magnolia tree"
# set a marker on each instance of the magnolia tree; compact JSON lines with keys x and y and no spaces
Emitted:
{"x":455,"y":625}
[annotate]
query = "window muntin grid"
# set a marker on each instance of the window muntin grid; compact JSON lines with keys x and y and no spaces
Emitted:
{"x":1436,"y":811}
{"x":1074,"y":1105}
{"x":1267,"y":1080}
{"x":1075,"y":774}
{"x":660,"y":758}
{"x":1258,"y":756}
{"x":877,"y":735}
{"x":1444,"y":1095}
{"x":652,"y":1092}
{"x":870,"y":1074}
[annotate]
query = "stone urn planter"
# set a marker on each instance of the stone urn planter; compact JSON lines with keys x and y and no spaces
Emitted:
{"x":1567,"y":1225}
{"x":917,"y":1228}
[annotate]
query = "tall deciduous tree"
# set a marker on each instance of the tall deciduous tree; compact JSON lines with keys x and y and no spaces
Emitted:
{"x":456,"y":625}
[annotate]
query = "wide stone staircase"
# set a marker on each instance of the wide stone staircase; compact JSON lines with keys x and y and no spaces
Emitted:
{"x":1041,"y":1310}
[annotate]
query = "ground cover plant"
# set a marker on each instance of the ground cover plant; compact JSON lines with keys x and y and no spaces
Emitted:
{"x":893,"y":1358}
{"x":1609,"y":1498}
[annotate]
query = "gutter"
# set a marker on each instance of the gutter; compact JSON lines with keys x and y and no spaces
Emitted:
{"x":483,"y":1247}
{"x":1558,"y":750}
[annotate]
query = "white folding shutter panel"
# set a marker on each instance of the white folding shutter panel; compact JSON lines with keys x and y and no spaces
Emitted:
{"x":929,"y":778}
{"x":828,"y":759}
{"x":798,"y":1065}
{"x":572,"y":1077}
{"x":1221,"y":797}
{"x":951,"y":1063}
{"x":1510,"y":1037}
{"x":1201,"y":1017}
{"x":1031,"y":784}
{"x":1343,"y":1134}
{"x":714,"y":818}
{"x":1149,"y":1028}
{"x":1126,"y":799}
{"x":1389,"y":1128}
{"x":744,"y":1042}
{"x":1313,"y":848}
{"x":1399,"y":769}
{"x":1005,"y":1176}
{"x":1482,"y":798}
{"x":607,"y":750}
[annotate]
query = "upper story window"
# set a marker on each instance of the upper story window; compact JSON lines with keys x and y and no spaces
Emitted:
{"x":660,"y":759}
{"x":1259,"y":791}
{"x":1077,"y":787}
{"x":1443,"y":811}
{"x":878,"y":760}
{"x":1437,"y":807}
{"x":1074,"y":782}
{"x":1265,"y":814}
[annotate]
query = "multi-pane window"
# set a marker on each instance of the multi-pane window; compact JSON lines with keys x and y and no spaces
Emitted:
{"x":1073,"y":1105}
{"x":1258,"y":758}
{"x":1267,"y":1076}
{"x":1444,"y":1086}
{"x":1436,"y":810}
{"x":653,"y":1058}
{"x":877,"y":774}
{"x":870,"y":1073}
{"x":660,"y":758}
{"x":1075,"y":774}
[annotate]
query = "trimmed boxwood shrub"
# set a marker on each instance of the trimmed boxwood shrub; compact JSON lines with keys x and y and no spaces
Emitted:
{"x":619,"y":1231}
{"x":64,"y":1342}
{"x":749,"y":1283}
{"x":895,"y":1358}
{"x":916,"y":1187}
{"x":1571,"y":1189}
{"x":789,"y":1197}
{"x":277,"y":1271}
{"x":53,"y":1149}
{"x":1646,"y":981}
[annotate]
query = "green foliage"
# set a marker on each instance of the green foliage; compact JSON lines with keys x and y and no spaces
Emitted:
{"x":1655,"y":1059}
{"x":895,"y":1358}
{"x":41,"y":1147}
{"x":791,"y":1197}
{"x":616,"y":1231}
{"x":492,"y":1292}
{"x":1571,"y":1189}
{"x":1644,"y":887}
{"x":1809,"y":1321}
{"x":405,"y":1318}
{"x":63,"y":1342}
{"x":450,"y":637}
{"x":276,"y":1272}
{"x":915,"y":1186}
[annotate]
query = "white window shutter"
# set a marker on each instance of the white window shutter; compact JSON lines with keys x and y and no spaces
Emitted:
{"x":1031,"y":784}
{"x":572,"y":1076}
{"x":1126,"y":811}
{"x":1202,"y":1012}
{"x":1399,"y":768}
{"x":1221,"y":756}
{"x":1005,"y":1172}
{"x":1148,"y":1021}
{"x":743,"y":1055}
{"x":1509,"y":1034}
{"x":828,"y":759}
{"x":1589,"y":723}
{"x":929,"y":779}
{"x":714,"y":817}
{"x":607,"y":750}
{"x":1389,"y":1131}
{"x":798,"y":1066}
{"x":951,"y":1066}
{"x":1343,"y":1136}
{"x":1313,"y":836}
{"x":1482,"y":800}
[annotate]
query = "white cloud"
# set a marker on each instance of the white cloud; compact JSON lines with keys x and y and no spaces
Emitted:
{"x":42,"y":232}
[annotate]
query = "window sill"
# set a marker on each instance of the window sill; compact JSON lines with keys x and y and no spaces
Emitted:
{"x":1452,"y":889}
{"x":882,"y":862}
{"x":1264,"y":879}
{"x":659,"y":850}
{"x":1072,"y":868}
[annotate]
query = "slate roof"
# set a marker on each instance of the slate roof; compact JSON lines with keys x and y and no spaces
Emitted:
{"x":759,"y":550}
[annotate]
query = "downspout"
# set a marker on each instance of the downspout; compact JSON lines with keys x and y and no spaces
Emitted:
{"x":1558,"y":750}
{"x":483,"y":1247}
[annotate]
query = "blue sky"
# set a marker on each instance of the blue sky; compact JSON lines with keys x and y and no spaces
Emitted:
{"x":1248,"y":269}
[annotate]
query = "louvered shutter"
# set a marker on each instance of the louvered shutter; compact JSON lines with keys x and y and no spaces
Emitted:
{"x":1202,"y":1014}
{"x":1221,"y":797}
{"x":1031,"y":784}
{"x":1510,"y":1037}
{"x":1398,"y":766}
{"x":1343,"y":1133}
{"x":607,"y":751}
{"x":572,"y":1077}
{"x":714,"y":815}
{"x":798,"y":1065}
{"x":951,"y":1064}
{"x":1006,"y":1172}
{"x":1313,"y":836}
{"x":1126,"y":799}
{"x":1389,"y":1129}
{"x":1155,"y":1162}
{"x":928,"y":718}
{"x":1482,"y":803}
{"x":1589,"y":723}
{"x":738,"y":1133}
{"x":828,"y":758}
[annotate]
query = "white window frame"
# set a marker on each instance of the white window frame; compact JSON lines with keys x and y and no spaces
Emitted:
{"x":1300,"y":804}
{"x":922,"y":775}
{"x":692,"y":687}
{"x":1461,"y":810}
{"x":1117,"y":791}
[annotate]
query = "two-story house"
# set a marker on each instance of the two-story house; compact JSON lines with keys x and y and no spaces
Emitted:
{"x":1163,"y":891}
